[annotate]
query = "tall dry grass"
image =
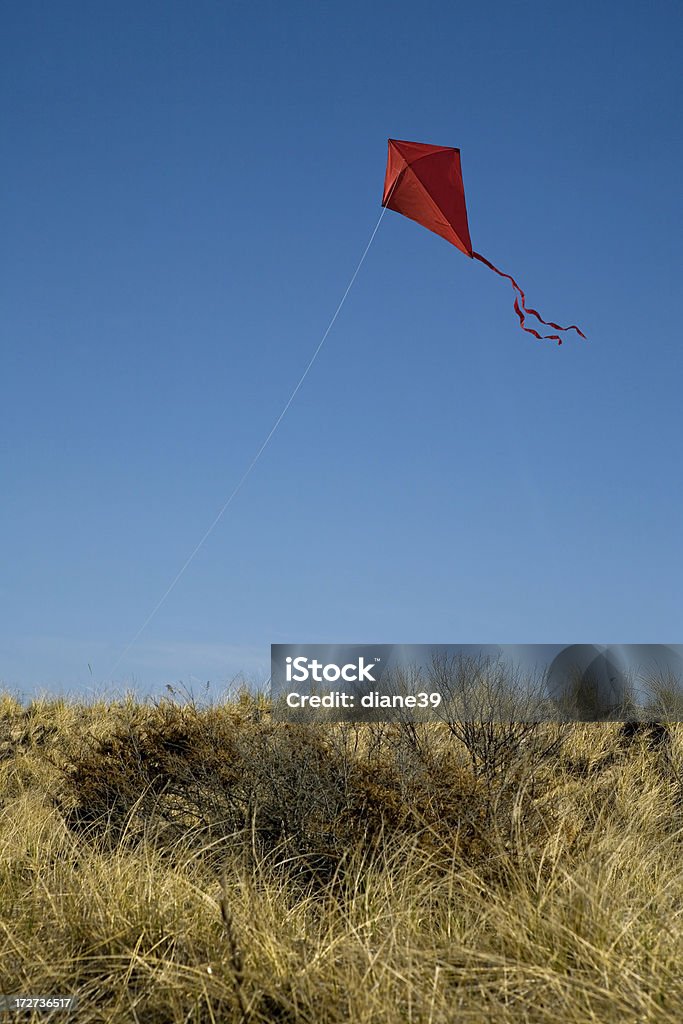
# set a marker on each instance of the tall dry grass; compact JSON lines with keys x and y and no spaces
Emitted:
{"x":172,"y":862}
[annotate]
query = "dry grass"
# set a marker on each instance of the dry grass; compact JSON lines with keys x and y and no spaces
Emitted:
{"x":178,"y":863}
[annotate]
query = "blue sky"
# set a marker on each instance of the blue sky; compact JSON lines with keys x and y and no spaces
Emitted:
{"x":187,"y":190}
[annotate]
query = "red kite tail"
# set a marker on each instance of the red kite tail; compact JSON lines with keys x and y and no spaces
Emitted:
{"x":522,"y":310}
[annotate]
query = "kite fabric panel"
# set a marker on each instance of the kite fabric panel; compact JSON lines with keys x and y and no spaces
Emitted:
{"x":424,"y":183}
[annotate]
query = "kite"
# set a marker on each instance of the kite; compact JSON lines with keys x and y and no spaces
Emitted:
{"x":424,"y":183}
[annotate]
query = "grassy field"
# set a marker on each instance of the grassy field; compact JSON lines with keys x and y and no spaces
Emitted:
{"x":171,"y":861}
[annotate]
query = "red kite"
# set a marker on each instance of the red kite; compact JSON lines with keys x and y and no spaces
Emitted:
{"x":424,"y":183}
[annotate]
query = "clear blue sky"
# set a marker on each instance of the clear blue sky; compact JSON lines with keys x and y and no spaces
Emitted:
{"x":187,"y":188}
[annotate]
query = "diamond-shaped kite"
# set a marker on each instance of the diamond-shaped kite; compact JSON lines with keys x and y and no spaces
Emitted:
{"x":424,"y":183}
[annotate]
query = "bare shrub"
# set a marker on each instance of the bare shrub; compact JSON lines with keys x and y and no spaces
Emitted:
{"x":499,"y":715}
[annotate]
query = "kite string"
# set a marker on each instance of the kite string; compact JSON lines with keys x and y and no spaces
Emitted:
{"x":217,"y":518}
{"x":527,"y":309}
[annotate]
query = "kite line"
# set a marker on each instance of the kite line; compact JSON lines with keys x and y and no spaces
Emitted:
{"x":238,"y":487}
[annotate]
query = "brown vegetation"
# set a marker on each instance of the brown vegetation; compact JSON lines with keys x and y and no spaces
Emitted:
{"x":172,"y":862}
